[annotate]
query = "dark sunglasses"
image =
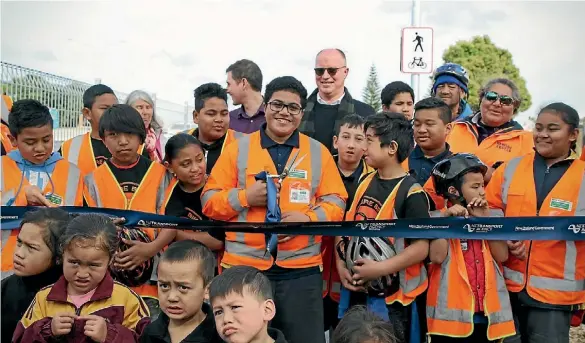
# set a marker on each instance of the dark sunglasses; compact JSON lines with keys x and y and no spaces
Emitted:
{"x":331,"y":71}
{"x":504,"y":99}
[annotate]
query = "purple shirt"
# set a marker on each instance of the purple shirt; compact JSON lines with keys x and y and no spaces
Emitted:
{"x":241,"y":122}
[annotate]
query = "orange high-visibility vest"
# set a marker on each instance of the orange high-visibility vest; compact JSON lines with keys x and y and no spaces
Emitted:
{"x":331,"y":280}
{"x":6,"y":107}
{"x":68,"y":185}
{"x":413,"y":280}
{"x":451,"y":303}
{"x":314,"y":188}
{"x":429,"y":188}
{"x":230,"y":136}
{"x":554,"y":272}
{"x":502,"y":146}
{"x":79,"y":151}
{"x":103,"y":190}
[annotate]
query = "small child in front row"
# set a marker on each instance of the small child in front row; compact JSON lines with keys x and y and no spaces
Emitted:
{"x":85,"y":303}
{"x":362,"y":326}
{"x":242,"y":302}
{"x":36,"y":264}
{"x":184,"y":271}
{"x":451,"y":294}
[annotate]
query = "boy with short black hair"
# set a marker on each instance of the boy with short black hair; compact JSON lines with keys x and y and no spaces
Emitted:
{"x":390,"y":193}
{"x":212,"y":117}
{"x":243,"y":305}
{"x":88,"y":151}
{"x":34,"y":169}
{"x":185,"y":270}
{"x":129,"y":181}
{"x":350,"y":143}
{"x":432,"y":124}
{"x":398,"y":97}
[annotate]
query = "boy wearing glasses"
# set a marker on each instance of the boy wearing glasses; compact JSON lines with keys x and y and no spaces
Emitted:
{"x":492,"y":134}
{"x":310,"y":190}
{"x":331,"y":101}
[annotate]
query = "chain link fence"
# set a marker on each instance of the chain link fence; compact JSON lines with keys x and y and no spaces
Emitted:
{"x":64,"y":97}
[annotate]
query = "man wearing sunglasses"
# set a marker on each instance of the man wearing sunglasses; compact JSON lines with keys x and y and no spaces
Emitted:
{"x":331,"y":101}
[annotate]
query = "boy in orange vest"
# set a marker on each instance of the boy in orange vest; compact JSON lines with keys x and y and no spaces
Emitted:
{"x":350,"y":143}
{"x":88,"y":151}
{"x":466,"y":274}
{"x":33,"y":174}
{"x":390,"y":193}
{"x":129,"y":181}
{"x":212,"y":117}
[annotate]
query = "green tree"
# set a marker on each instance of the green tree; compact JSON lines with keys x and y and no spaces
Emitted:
{"x":485,"y":61}
{"x":371,"y":92}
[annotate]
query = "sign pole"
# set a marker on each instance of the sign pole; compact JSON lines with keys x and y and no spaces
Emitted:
{"x":415,"y":21}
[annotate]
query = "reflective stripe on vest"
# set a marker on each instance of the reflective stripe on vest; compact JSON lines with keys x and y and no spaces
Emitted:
{"x":443,"y":312}
{"x":75,"y":148}
{"x":569,"y":283}
{"x":238,"y":246}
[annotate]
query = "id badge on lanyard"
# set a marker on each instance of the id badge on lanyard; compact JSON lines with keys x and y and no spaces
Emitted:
{"x":464,"y":245}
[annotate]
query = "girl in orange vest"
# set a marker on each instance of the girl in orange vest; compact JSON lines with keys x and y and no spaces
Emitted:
{"x":546,"y":279}
{"x":185,"y":159}
{"x":467,"y":299}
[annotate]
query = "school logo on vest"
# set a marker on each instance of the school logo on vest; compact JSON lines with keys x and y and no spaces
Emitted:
{"x":561,"y":204}
{"x":504,"y":146}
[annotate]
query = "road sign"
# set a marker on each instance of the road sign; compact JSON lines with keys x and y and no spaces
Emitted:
{"x":417,"y":50}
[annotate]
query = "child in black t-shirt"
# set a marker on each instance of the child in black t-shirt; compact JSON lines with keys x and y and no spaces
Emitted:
{"x":390,"y":193}
{"x":185,"y":159}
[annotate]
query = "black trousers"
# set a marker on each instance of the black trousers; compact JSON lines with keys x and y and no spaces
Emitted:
{"x":299,"y":309}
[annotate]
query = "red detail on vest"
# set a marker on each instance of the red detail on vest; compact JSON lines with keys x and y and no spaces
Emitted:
{"x":475,"y":271}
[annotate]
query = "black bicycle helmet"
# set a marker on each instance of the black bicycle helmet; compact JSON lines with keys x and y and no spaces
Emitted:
{"x":141,"y":274}
{"x":448,"y":172}
{"x":372,"y":248}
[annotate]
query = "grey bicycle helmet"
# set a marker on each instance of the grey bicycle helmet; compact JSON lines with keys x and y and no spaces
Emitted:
{"x":372,"y":248}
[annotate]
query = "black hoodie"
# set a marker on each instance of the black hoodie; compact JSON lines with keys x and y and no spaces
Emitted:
{"x":276,"y":335}
{"x":158,"y":332}
{"x":18,"y":292}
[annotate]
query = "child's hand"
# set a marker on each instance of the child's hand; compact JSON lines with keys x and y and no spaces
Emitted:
{"x":456,"y":211}
{"x":35,"y":197}
{"x":517,"y":249}
{"x":62,"y":323}
{"x":95,"y":328}
{"x":478,"y":207}
{"x":134,"y":256}
{"x":366,"y":270}
{"x":345,"y":277}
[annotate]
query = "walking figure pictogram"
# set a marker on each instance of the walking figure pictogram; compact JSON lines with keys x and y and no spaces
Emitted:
{"x":418,"y":39}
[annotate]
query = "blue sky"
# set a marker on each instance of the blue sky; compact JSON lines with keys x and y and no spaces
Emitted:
{"x":171,"y":47}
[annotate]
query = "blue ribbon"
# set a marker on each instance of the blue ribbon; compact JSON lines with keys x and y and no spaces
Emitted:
{"x":272,"y":210}
{"x":500,"y":228}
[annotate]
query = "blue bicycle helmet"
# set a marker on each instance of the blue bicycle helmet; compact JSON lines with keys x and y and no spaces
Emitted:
{"x":452,"y":69}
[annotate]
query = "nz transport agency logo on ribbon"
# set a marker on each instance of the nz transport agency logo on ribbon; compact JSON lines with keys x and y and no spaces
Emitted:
{"x":471,"y":228}
{"x":577,"y":228}
{"x":373,"y":226}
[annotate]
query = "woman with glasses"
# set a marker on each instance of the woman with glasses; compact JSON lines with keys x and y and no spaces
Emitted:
{"x":492,"y":134}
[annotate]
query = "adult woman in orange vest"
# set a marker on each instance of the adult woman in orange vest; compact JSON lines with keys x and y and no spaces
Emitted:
{"x":467,"y":299}
{"x":492,"y":134}
{"x":310,"y":190}
{"x":546,"y":278}
{"x":212,"y":117}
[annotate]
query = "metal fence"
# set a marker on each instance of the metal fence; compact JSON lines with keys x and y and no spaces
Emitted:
{"x":64,"y":97}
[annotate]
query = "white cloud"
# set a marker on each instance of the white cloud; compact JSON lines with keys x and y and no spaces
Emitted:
{"x":171,"y":47}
